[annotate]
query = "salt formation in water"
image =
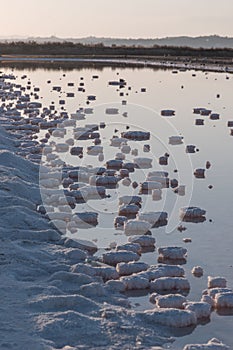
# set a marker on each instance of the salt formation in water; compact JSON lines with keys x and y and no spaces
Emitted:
{"x":144,"y":241}
{"x":172,"y":317}
{"x":213,"y":344}
{"x":136,"y":227}
{"x":115,"y":257}
{"x":131,"y":267}
{"x":172,"y":253}
{"x":197,"y":271}
{"x":170,"y":283}
{"x":217,"y":282}
{"x":201,"y":309}
{"x":174,"y":301}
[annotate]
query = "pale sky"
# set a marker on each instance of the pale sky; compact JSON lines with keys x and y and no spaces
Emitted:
{"x":116,"y":18}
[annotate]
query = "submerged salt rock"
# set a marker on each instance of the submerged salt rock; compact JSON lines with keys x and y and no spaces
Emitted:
{"x":152,"y":217}
{"x":174,"y":301}
{"x":156,"y":195}
{"x":175,"y":140}
{"x":125,"y":269}
{"x":128,"y":210}
{"x":201,"y":309}
{"x":115,"y":257}
{"x":136,"y":135}
{"x":172,"y":317}
{"x":214,"y":291}
{"x":135,"y":282}
{"x":106,"y":272}
{"x":130,"y":200}
{"x":119,"y":221}
{"x":170,"y":283}
{"x":173,"y":253}
{"x":142,"y":162}
{"x":161,"y":270}
{"x":192,"y":212}
{"x":197,"y":271}
{"x":217,"y":282}
{"x":62,"y":147}
{"x":115,"y":286}
{"x":199,"y":173}
{"x":136,"y":227}
{"x":133,"y":247}
{"x":144,"y":241}
{"x":208,"y":299}
{"x":213,"y":344}
{"x":224,"y":300}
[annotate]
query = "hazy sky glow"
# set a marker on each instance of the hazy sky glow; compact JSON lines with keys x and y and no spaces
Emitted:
{"x":116,"y":18}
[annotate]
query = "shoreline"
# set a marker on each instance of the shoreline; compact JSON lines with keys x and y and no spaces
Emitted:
{"x":208,"y":65}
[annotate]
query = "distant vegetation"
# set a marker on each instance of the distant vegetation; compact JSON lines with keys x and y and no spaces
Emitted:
{"x":76,"y":49}
{"x":208,"y":41}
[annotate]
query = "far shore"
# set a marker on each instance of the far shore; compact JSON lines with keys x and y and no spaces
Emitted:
{"x":181,"y":63}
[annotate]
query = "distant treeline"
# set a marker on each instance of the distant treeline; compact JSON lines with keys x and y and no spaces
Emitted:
{"x":76,"y":49}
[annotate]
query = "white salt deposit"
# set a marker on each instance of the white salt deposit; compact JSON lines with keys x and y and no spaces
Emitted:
{"x":213,"y":344}
{"x":217,"y":282}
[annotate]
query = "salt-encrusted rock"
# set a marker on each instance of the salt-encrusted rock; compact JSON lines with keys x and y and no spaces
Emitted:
{"x":120,"y":156}
{"x":191,"y":212}
{"x":167,"y":112}
{"x":150,"y":185}
{"x":224,"y":300}
{"x":128,"y":210}
{"x":170,"y":283}
{"x":106,"y":272}
{"x":201,"y":309}
{"x":94,"y":289}
{"x":217,"y":282}
{"x":142,"y":162}
{"x":197,"y":271}
{"x":117,"y":141}
{"x":208,"y":299}
{"x":175,"y":140}
{"x":82,"y":244}
{"x":152,"y":217}
{"x":214,"y":291}
{"x":199,"y":173}
{"x":174,"y":301}
{"x":75,"y":254}
{"x":136,"y":135}
{"x":164,"y":181}
{"x":114,"y":164}
{"x":126,"y":181}
{"x":172,"y":253}
{"x":213,"y":344}
{"x":94,"y":150}
{"x":130,"y":200}
{"x":135,"y":282}
{"x":156,"y":195}
{"x":115,"y":257}
{"x":172,"y":317}
{"x":162,"y":270}
{"x":125,"y":149}
{"x":144,"y":241}
{"x":133,"y":247}
{"x":115,"y":286}
{"x":136,"y":227}
{"x":84,"y":268}
{"x":125,"y":269}
{"x":119,"y":221}
{"x":62,"y":147}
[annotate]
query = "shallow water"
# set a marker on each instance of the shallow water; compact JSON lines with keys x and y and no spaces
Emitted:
{"x":212,"y":240}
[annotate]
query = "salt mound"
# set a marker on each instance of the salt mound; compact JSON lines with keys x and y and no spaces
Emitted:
{"x":213,"y":344}
{"x":172,"y":317}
